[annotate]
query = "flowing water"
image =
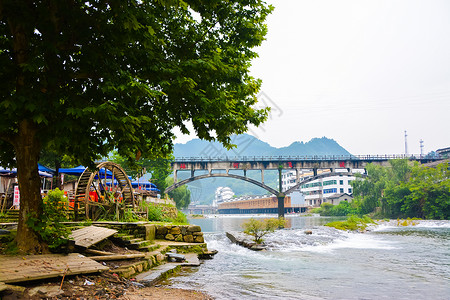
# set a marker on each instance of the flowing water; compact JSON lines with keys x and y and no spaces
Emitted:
{"x":389,"y":262}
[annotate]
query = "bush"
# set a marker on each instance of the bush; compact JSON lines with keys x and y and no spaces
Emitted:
{"x":352,"y":223}
{"x":342,"y":209}
{"x":259,"y":228}
{"x":49,"y":224}
{"x":180,"y":219}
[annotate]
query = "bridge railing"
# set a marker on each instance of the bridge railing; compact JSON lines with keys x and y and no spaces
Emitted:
{"x":308,"y":158}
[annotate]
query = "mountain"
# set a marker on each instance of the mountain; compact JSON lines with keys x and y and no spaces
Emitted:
{"x":248,"y":145}
{"x":203,"y":191}
{"x":316,"y":146}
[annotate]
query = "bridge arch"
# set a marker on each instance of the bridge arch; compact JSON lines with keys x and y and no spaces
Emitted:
{"x":255,"y":182}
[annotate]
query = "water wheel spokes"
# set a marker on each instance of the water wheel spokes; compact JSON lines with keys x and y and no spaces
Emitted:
{"x":104,"y":190}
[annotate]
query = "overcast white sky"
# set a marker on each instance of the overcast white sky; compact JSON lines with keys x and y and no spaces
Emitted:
{"x":360,"y":72}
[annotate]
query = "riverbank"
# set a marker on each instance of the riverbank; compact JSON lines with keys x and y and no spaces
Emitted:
{"x":110,"y":271}
{"x":102,"y":286}
{"x":166,"y":293}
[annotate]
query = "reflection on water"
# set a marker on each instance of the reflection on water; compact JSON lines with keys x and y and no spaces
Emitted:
{"x":388,"y":263}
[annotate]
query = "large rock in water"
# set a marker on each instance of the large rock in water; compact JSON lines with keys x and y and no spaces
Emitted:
{"x":243,"y":240}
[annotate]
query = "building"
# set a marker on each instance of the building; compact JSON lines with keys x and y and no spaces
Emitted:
{"x":222,"y":194}
{"x":317,"y":191}
{"x":289,"y":178}
{"x":338,"y":198}
{"x":259,"y":205}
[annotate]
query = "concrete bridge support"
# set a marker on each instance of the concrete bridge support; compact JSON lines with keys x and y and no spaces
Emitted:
{"x":280,"y":195}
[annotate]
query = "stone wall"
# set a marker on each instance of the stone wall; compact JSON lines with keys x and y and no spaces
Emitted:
{"x":180,"y":233}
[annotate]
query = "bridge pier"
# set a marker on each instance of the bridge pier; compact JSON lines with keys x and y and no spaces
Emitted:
{"x":280,"y":194}
{"x":280,"y":198}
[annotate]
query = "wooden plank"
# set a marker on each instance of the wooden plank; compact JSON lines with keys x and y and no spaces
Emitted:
{"x":98,"y":252}
{"x":117,"y":257}
{"x":34,"y":267}
{"x":88,"y":236}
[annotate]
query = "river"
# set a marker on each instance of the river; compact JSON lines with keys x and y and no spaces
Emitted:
{"x":388,"y":262}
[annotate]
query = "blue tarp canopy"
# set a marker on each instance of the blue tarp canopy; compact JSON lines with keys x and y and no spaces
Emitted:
{"x":46,"y":169}
{"x":148,"y":186}
{"x":77,"y":171}
{"x":13,"y":172}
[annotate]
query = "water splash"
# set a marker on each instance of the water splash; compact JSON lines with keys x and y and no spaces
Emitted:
{"x":323,"y":240}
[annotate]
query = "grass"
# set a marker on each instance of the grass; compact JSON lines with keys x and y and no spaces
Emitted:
{"x":353,"y":223}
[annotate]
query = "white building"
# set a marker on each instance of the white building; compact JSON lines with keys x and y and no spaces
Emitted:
{"x":222,"y":194}
{"x":317,"y":191}
{"x":289,"y":178}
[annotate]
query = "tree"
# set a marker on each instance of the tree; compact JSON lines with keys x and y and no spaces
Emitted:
{"x":429,"y":193}
{"x":405,"y":190}
{"x":369,"y":191}
{"x":86,"y":77}
{"x":181,"y":195}
{"x":260,"y":228}
{"x":158,"y":168}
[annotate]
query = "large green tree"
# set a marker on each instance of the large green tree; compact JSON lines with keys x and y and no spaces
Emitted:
{"x":86,"y":77}
{"x":181,"y":195}
{"x":158,"y":168}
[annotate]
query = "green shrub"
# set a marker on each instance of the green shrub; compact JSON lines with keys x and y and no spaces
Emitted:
{"x":49,"y":224}
{"x":352,"y":223}
{"x":259,"y":228}
{"x":180,"y":219}
{"x":155,"y":212}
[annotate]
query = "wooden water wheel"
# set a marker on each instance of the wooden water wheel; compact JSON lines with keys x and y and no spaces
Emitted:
{"x":106,"y":190}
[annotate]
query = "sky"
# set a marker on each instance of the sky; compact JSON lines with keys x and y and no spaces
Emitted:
{"x":360,"y":72}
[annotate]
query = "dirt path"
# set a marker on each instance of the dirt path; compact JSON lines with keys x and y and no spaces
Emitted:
{"x":165,"y":293}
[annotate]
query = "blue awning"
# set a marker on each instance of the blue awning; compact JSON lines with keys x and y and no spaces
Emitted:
{"x":46,"y":169}
{"x":77,"y":171}
{"x":13,"y":172}
{"x":148,"y":186}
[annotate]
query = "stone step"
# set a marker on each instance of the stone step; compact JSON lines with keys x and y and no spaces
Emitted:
{"x":135,"y":241}
{"x":151,"y":277}
{"x":148,"y":248}
{"x":124,"y":237}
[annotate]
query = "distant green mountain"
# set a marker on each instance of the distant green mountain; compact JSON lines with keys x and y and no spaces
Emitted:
{"x":248,"y":145}
{"x":203,"y":191}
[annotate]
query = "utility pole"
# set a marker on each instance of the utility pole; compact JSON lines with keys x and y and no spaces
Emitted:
{"x":406,"y":144}
{"x":421,"y":147}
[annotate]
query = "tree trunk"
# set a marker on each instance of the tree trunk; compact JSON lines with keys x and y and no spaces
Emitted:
{"x":27,"y":154}
{"x":57,"y":175}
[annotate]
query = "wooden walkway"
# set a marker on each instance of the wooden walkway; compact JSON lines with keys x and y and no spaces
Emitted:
{"x":33,"y":267}
{"x":88,"y":236}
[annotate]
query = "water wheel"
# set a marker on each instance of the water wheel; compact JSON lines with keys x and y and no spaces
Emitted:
{"x":106,"y":190}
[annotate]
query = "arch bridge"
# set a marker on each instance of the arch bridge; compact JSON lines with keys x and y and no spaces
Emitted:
{"x":346,"y":165}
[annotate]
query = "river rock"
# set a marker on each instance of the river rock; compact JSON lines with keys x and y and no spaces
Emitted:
{"x":170,"y":237}
{"x":194,"y":228}
{"x":199,"y":239}
{"x":183,"y":230}
{"x":244,"y":241}
{"x":188,"y":238}
{"x":161,"y":230}
{"x":175,"y":230}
